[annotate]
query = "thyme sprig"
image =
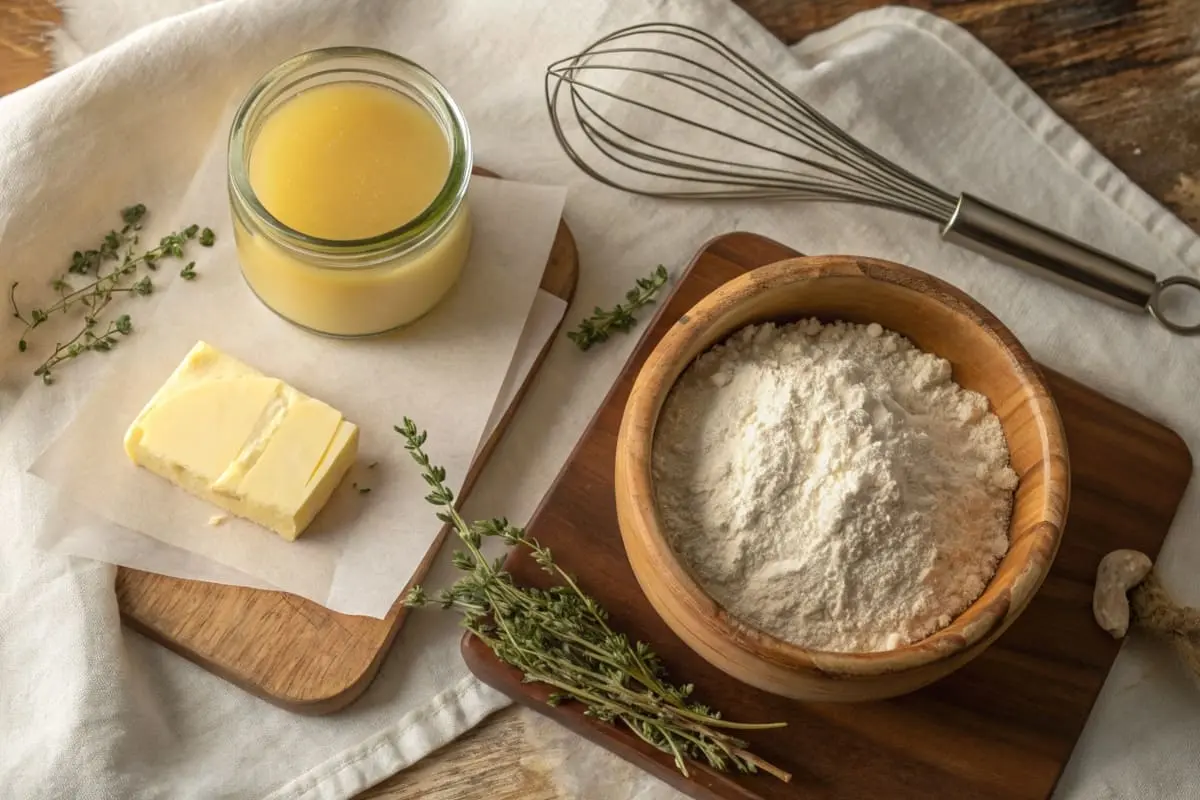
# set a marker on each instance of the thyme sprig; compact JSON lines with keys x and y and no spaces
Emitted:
{"x":602,"y":324}
{"x":95,"y":295}
{"x":89,"y":261}
{"x":561,"y":637}
{"x":84,"y":341}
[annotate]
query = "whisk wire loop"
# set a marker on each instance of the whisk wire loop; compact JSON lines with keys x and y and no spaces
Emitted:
{"x":764,"y":142}
{"x":830,"y":165}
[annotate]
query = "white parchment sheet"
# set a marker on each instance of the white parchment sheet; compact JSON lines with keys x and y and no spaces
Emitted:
{"x":446,"y":372}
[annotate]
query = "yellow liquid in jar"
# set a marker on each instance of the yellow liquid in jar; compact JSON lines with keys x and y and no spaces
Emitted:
{"x":346,"y":161}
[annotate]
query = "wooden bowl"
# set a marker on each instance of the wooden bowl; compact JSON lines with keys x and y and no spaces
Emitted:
{"x":985,"y":358}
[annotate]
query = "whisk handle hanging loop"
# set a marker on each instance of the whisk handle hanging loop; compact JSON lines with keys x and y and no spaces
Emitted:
{"x":1005,"y":237}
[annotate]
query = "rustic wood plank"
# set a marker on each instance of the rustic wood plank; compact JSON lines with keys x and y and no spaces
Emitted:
{"x":491,"y":762}
{"x":1002,"y":726}
{"x":23,"y":54}
{"x":1128,"y":79}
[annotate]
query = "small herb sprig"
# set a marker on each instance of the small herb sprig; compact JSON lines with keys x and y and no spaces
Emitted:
{"x":95,"y":295}
{"x":602,"y":324}
{"x":561,"y":637}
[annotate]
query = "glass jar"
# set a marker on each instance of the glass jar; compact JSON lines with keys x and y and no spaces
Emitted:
{"x":351,"y":287}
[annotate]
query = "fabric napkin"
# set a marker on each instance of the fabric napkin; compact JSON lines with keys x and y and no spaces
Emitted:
{"x":86,"y":710}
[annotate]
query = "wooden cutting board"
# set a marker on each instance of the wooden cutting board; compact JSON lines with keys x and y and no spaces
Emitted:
{"x":1001,"y":727}
{"x":283,"y":648}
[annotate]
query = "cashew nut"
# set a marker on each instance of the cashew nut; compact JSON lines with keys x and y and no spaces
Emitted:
{"x":1119,"y":571}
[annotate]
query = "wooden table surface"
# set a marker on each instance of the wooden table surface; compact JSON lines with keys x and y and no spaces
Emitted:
{"x":1125,"y":73}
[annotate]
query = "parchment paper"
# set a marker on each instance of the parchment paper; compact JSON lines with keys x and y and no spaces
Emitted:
{"x":446,"y":372}
{"x":74,"y":530}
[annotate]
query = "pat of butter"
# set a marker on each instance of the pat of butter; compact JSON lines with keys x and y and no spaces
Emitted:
{"x":247,"y":443}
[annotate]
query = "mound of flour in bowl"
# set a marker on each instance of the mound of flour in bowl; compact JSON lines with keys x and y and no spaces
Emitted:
{"x":831,"y":485}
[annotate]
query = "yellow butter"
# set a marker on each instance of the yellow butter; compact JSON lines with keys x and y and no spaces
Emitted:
{"x":245,"y":442}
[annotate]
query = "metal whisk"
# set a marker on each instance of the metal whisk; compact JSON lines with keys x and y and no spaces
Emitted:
{"x":636,"y":93}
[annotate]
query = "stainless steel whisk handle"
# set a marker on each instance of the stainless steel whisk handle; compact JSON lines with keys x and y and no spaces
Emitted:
{"x":1005,"y":237}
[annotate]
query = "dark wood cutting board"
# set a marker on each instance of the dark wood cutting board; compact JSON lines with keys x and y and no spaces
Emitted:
{"x":1001,"y":727}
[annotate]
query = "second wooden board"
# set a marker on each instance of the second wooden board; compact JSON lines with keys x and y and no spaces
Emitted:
{"x":1001,"y":727}
{"x":283,"y":648}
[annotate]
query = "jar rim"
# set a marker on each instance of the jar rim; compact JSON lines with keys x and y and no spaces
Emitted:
{"x":411,"y":234}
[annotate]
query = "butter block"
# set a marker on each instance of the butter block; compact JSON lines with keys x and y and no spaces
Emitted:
{"x":245,"y":442}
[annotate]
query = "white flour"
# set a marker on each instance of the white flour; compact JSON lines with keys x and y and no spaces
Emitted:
{"x":831,"y":485}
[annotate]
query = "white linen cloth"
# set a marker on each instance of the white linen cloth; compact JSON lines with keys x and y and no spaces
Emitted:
{"x":89,"y":711}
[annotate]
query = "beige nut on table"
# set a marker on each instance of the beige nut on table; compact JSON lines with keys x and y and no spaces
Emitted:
{"x":1119,"y":571}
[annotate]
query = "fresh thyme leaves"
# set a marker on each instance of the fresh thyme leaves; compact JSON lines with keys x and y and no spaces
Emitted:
{"x":84,"y":341}
{"x":602,"y":324}
{"x":94,"y":295}
{"x":132,"y":215}
{"x":560,"y":637}
{"x":88,"y":261}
